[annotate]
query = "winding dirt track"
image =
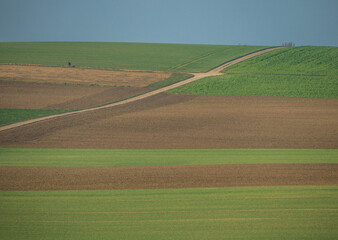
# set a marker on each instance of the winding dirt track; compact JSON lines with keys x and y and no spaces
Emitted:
{"x":213,"y":72}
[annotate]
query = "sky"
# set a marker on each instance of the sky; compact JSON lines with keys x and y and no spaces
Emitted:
{"x":224,"y":22}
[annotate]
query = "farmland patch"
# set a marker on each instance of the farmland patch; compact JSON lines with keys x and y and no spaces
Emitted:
{"x":65,"y":75}
{"x":264,"y":85}
{"x":51,"y":157}
{"x":294,"y":212}
{"x":23,"y":95}
{"x":141,"y":56}
{"x":8,"y":116}
{"x":297,"y":60}
{"x":150,"y":177}
{"x":186,"y":121}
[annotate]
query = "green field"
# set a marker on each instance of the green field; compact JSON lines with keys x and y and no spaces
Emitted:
{"x":299,"y":212}
{"x":263,"y":85}
{"x":297,"y":60}
{"x":151,"y":157}
{"x":141,"y":56}
{"x":8,"y":116}
{"x":289,"y":72}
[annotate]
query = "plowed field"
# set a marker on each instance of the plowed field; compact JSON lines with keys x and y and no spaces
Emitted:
{"x":84,"y":178}
{"x":79,"y":75}
{"x":184,"y":121}
{"x":23,"y":95}
{"x":35,"y":87}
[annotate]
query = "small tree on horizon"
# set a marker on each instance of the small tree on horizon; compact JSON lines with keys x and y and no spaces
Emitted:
{"x":288,"y":44}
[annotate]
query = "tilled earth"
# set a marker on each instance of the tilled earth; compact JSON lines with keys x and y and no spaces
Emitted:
{"x":23,"y":95}
{"x":92,"y":178}
{"x":61,"y":75}
{"x":37,"y":87}
{"x":186,"y":121}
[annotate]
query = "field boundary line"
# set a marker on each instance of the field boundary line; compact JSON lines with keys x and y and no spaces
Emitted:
{"x":196,"y":76}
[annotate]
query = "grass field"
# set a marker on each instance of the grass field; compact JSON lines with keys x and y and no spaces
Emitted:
{"x":133,"y":157}
{"x":8,"y":116}
{"x":297,"y":60}
{"x":302,"y":212}
{"x":264,"y":85}
{"x":141,"y":56}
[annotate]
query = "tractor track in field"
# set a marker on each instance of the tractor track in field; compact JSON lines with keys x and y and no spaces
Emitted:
{"x":214,"y":72}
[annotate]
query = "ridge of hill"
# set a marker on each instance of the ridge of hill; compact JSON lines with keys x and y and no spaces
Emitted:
{"x":137,"y":56}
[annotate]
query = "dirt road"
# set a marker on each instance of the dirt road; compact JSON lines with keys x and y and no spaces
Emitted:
{"x":213,"y":72}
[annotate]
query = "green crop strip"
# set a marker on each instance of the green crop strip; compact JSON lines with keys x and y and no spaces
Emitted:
{"x":8,"y":116}
{"x":141,"y":56}
{"x":133,"y":157}
{"x":298,"y":60}
{"x":297,"y":212}
{"x":264,"y":85}
{"x":288,"y":72}
{"x":216,"y":58}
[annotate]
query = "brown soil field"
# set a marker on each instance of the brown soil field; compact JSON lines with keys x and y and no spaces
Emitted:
{"x":184,"y":121}
{"x":79,"y":76}
{"x":27,"y":95}
{"x":196,"y":176}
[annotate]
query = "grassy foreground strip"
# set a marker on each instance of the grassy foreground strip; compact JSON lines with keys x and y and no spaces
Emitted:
{"x":8,"y":116}
{"x":302,"y":212}
{"x":141,"y":56}
{"x":131,"y":157}
{"x":297,"y":60}
{"x":263,"y":85}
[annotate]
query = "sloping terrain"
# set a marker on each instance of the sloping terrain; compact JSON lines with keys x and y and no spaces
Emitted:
{"x":264,"y":85}
{"x":186,"y":121}
{"x":318,"y":61}
{"x":63,"y":75}
{"x":141,"y":56}
{"x":291,"y":72}
{"x":23,"y":95}
{"x":174,"y":81}
{"x":171,"y":121}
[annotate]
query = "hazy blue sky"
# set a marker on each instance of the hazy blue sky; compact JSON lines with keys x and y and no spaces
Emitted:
{"x":252,"y":22}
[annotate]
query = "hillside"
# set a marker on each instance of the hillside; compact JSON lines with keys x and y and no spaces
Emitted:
{"x":139,"y":56}
{"x":289,"y":72}
{"x":297,"y":60}
{"x":261,"y":85}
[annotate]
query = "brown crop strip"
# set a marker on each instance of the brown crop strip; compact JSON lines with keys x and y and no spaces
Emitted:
{"x":152,"y":177}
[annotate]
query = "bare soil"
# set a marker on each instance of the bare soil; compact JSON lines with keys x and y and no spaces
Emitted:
{"x":27,"y":95}
{"x":79,"y":76}
{"x":183,"y":121}
{"x":196,"y":176}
